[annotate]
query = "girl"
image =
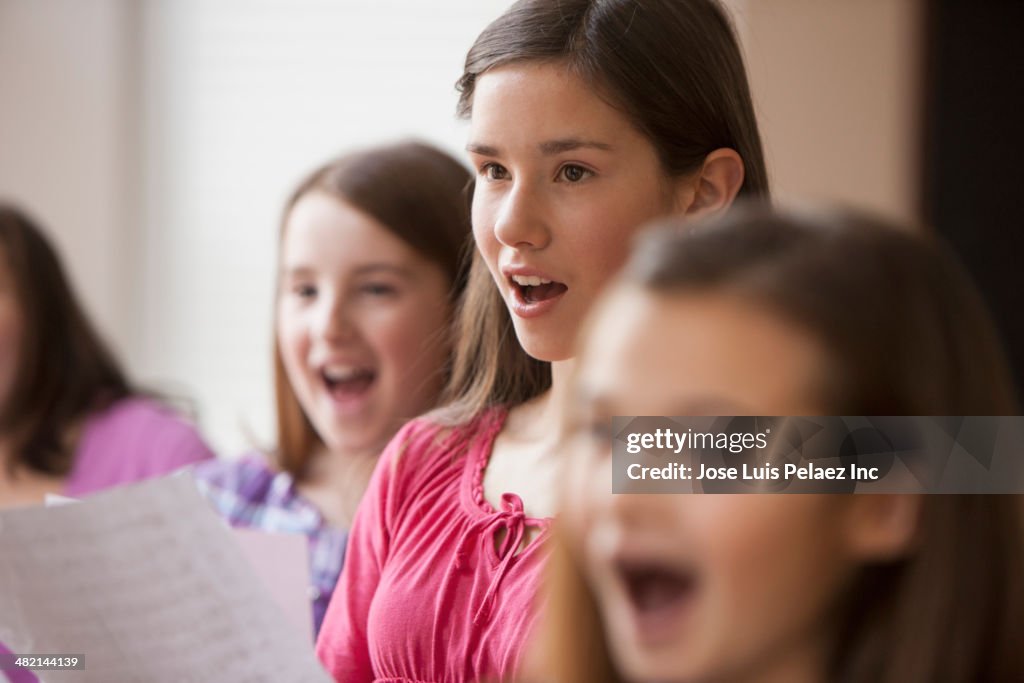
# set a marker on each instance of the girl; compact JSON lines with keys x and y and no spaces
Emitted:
{"x":70,"y":422}
{"x":765,"y":314}
{"x":369,"y":272}
{"x":587,"y":118}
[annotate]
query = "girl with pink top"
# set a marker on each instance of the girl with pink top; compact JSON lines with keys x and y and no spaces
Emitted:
{"x":587,"y":119}
{"x":69,"y":420}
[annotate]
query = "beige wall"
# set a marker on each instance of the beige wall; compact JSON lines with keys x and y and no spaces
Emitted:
{"x":836,"y":85}
{"x":66,"y":143}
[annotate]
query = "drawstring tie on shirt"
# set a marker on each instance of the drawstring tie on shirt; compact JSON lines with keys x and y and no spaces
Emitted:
{"x":512,"y":519}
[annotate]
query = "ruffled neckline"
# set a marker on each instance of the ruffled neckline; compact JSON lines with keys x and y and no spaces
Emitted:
{"x":477,"y":459}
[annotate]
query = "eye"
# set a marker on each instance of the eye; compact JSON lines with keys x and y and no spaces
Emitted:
{"x":574,"y":173}
{"x":378,"y":289}
{"x":601,"y":430}
{"x":304,"y":291}
{"x":493,"y":171}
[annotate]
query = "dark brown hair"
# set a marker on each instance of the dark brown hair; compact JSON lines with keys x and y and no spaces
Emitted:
{"x":65,"y":371}
{"x":415,"y":191}
{"x":675,"y":70}
{"x":906,"y":334}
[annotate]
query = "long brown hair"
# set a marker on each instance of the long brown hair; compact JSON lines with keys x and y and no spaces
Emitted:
{"x":675,"y":70}
{"x":907,"y":334}
{"x":65,"y":371}
{"x":416,"y":192}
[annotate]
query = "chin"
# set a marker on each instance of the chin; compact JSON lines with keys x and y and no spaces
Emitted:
{"x":350,"y":438}
{"x":545,"y":347}
{"x":637,"y":667}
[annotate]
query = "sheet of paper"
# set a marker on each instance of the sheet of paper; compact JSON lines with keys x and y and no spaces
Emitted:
{"x":149,"y":585}
{"x":52,"y":500}
{"x":281,"y":561}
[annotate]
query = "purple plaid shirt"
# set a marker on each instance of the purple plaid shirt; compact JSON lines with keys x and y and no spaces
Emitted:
{"x":249,"y":493}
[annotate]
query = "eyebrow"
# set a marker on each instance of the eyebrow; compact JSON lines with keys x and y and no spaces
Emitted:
{"x":547,"y":148}
{"x":365,"y":269}
{"x":704,"y":405}
{"x":552,"y":147}
{"x":707,"y":406}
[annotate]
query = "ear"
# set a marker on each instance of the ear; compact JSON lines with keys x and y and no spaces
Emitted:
{"x":882,"y":526}
{"x":713,"y":189}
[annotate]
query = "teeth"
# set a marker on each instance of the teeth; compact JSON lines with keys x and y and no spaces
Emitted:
{"x":529,"y":281}
{"x":341,"y":373}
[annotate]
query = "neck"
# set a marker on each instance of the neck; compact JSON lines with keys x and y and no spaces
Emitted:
{"x":557,"y":397}
{"x":328,"y":465}
{"x":803,"y":662}
{"x":334,"y":481}
{"x":542,"y":419}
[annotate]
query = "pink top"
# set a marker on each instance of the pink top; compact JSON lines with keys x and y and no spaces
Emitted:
{"x":136,"y":438}
{"x":427,"y":594}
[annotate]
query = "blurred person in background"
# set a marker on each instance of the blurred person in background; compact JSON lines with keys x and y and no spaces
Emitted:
{"x":70,"y":421}
{"x":779,"y":314}
{"x":369,"y":272}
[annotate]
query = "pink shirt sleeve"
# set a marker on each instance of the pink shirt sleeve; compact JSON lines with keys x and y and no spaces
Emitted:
{"x":343,"y":646}
{"x":134,"y":439}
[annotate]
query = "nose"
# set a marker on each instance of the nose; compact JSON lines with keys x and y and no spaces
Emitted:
{"x":521,"y":219}
{"x":334,"y":321}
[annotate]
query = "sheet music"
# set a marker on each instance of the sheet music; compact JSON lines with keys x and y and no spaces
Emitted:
{"x":147,"y":583}
{"x":281,"y":561}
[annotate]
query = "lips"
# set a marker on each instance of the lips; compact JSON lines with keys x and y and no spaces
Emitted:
{"x":348,"y":385}
{"x":658,"y":596}
{"x":533,"y":292}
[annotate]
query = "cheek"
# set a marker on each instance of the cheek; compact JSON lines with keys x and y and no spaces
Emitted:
{"x":775,"y":560}
{"x":293,"y":341}
{"x":408,"y":336}
{"x":483,"y":234}
{"x":610,"y":228}
{"x":585,"y":484}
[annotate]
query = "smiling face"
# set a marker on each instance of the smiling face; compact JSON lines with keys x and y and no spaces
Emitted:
{"x":563,"y":181}
{"x":705,"y":587}
{"x":361,"y":322}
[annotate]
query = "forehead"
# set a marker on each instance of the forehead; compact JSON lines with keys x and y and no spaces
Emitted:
{"x":321,"y":228}
{"x":692,"y":353}
{"x":524,"y":101}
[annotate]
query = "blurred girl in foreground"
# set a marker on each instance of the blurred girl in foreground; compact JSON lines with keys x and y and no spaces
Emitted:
{"x":70,"y":422}
{"x":762,"y":314}
{"x":369,"y":272}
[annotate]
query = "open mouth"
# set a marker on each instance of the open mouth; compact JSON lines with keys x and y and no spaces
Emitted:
{"x":656,"y":593}
{"x":348,"y":382}
{"x":534,"y":290}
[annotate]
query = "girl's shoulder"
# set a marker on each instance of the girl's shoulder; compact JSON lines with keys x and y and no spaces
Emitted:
{"x":133,"y":439}
{"x":251,"y":474}
{"x":249,"y":491}
{"x":138,"y":420}
{"x":426,"y":439}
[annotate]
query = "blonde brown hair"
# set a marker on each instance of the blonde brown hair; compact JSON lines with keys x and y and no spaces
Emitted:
{"x":908,"y":334}
{"x":415,"y":191}
{"x":675,"y":70}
